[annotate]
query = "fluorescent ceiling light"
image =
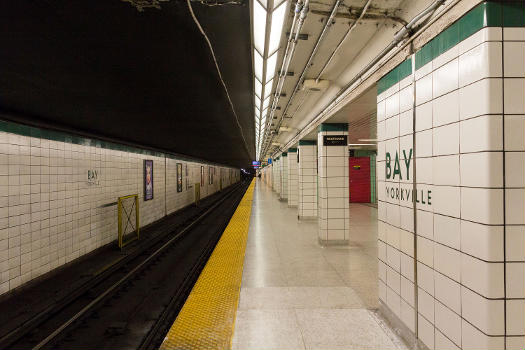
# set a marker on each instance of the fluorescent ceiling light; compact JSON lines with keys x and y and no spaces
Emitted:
{"x":258,"y":88}
{"x":266,"y":103}
{"x":259,"y":26}
{"x":271,"y":62}
{"x":268,"y":88}
{"x":374,"y":140}
{"x":278,"y":17}
{"x":257,"y":100}
{"x":362,"y":144}
{"x":258,"y":65}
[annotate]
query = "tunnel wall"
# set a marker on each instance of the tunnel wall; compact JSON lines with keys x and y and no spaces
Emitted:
{"x":54,"y":189}
{"x":466,"y":177}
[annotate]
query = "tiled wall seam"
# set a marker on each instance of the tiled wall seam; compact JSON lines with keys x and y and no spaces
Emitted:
{"x":471,"y":329}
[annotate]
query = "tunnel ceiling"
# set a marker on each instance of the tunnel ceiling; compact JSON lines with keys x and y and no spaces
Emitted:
{"x":146,"y":78}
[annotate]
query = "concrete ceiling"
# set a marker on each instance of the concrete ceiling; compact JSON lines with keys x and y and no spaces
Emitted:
{"x":371,"y":34}
{"x":146,"y":78}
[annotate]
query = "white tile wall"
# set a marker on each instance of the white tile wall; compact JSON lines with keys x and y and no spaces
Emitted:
{"x":307,"y":202}
{"x":293,"y":179}
{"x":470,"y":151}
{"x":333,"y":206}
{"x":50,"y":214}
{"x":283,"y":163}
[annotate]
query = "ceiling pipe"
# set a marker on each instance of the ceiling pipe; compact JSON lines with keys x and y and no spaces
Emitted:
{"x":301,"y":11}
{"x":365,"y":8}
{"x":406,"y":30}
{"x":326,"y":27}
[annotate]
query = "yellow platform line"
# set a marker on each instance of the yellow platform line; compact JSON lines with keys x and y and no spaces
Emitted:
{"x":207,"y":319}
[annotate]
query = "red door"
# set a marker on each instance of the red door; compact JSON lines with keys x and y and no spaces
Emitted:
{"x":359,"y":177}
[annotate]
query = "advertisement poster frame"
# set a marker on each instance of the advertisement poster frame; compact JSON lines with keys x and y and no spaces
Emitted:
{"x":148,"y":179}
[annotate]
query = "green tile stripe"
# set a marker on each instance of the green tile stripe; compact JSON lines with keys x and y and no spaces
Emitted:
{"x":60,"y":136}
{"x":292,"y":150}
{"x":307,"y":142}
{"x":333,"y":127}
{"x":284,"y":154}
{"x":403,"y":70}
{"x":486,"y":14}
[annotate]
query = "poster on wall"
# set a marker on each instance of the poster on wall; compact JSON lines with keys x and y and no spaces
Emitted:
{"x":210,"y":175}
{"x":186,"y":167}
{"x":148,"y":179}
{"x":202,"y":176}
{"x":179,"y":177}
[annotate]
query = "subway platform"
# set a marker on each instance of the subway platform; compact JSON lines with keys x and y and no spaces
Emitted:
{"x":294,"y":293}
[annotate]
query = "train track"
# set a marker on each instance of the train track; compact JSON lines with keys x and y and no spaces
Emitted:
{"x":132,"y":304}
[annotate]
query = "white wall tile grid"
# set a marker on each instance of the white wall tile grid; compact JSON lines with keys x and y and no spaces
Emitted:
{"x":333,"y":206}
{"x":276,"y":177}
{"x":50,"y":214}
{"x":293,"y":179}
{"x":283,"y":164}
{"x":470,"y":122}
{"x":307,"y":201}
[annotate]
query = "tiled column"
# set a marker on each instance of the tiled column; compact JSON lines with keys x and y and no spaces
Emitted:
{"x":307,"y":201}
{"x":293,"y":180}
{"x":277,"y":175}
{"x":283,"y":194}
{"x":469,"y":184}
{"x":333,"y":209}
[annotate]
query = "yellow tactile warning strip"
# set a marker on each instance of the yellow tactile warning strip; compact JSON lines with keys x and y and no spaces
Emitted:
{"x":207,"y":319}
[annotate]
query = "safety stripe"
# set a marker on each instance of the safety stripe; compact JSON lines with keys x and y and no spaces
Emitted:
{"x":207,"y":319}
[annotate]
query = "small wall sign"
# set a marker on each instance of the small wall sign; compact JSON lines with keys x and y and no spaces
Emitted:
{"x":335,"y":140}
{"x":92,"y":177}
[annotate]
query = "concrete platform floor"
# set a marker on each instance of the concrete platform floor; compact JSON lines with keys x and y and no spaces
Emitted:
{"x":296,"y":294}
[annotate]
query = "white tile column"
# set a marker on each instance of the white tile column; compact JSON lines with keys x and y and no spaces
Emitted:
{"x":307,"y":173}
{"x":293,"y":180}
{"x":468,"y":188}
{"x":277,"y":175}
{"x":332,"y":146}
{"x":283,"y":161}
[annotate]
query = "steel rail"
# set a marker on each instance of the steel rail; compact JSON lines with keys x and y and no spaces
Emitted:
{"x":126,"y":277}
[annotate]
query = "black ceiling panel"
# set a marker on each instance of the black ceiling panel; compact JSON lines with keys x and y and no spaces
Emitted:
{"x":146,"y":78}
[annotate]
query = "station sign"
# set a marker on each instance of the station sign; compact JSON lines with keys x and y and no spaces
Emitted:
{"x":269,"y":160}
{"x":335,"y":140}
{"x":256,"y":163}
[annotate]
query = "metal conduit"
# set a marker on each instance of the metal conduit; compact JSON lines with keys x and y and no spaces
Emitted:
{"x":397,"y":38}
{"x":365,"y":8}
{"x":316,"y":47}
{"x":326,"y":27}
{"x":303,"y":10}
